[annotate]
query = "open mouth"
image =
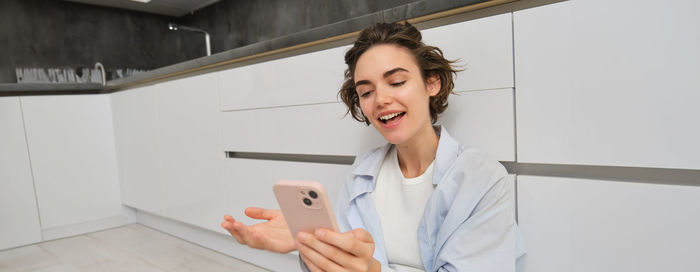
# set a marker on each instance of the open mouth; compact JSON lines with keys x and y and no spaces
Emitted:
{"x":392,"y":116}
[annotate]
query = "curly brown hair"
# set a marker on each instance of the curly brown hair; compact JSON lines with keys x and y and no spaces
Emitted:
{"x":430,"y":60}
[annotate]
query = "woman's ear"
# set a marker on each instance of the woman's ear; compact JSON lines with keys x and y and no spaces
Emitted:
{"x":433,"y":84}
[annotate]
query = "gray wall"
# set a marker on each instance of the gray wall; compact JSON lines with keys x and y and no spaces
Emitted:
{"x":53,"y":33}
{"x":234,"y":23}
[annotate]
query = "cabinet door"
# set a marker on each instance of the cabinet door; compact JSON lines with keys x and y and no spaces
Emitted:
{"x":298,"y":80}
{"x":312,"y":129}
{"x":136,"y":139}
{"x":609,"y":83}
{"x":18,"y":210}
{"x":485,"y":120}
{"x":582,"y":225}
{"x":248,"y":182}
{"x":482,"y":119}
{"x":189,"y":132}
{"x":482,"y":47}
{"x":71,"y":146}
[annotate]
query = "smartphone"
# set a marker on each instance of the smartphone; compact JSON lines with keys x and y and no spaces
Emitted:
{"x":304,"y":205}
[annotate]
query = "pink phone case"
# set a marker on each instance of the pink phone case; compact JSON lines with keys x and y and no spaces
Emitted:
{"x":304,"y":205}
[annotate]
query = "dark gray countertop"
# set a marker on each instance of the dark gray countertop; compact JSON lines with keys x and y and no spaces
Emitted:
{"x":404,"y":12}
{"x":16,"y":89}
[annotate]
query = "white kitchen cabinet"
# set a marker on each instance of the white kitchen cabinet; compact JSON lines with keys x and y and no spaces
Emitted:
{"x":304,"y":79}
{"x":136,"y":140}
{"x":72,"y":153}
{"x":189,"y":131}
{"x":483,"y":48}
{"x":597,"y":225}
{"x":609,"y":86}
{"x":18,"y":210}
{"x":248,"y":182}
{"x":321,"y":129}
{"x":483,"y":119}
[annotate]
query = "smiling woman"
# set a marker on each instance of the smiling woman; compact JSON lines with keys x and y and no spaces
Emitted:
{"x":422,"y":202}
{"x":429,"y":60}
{"x":389,"y":83}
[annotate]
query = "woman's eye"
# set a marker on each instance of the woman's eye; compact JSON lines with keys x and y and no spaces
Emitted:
{"x":397,"y":84}
{"x":365,"y":94}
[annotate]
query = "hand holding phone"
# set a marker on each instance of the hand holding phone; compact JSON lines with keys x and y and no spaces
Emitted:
{"x":305,"y":206}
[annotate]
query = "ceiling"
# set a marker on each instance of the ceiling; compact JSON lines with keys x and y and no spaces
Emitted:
{"x":174,"y":8}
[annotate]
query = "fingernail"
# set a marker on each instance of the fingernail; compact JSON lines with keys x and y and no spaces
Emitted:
{"x":320,"y":233}
{"x":302,"y":236}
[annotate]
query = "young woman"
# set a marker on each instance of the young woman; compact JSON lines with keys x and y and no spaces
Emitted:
{"x":422,"y":202}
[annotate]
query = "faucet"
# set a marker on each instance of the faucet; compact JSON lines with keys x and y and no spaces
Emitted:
{"x":174,"y":27}
{"x":99,"y":66}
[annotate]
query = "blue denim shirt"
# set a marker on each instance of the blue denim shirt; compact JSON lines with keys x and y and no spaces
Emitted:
{"x":469,"y":220}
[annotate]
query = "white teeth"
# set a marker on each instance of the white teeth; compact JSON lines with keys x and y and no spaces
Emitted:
{"x":389,"y":116}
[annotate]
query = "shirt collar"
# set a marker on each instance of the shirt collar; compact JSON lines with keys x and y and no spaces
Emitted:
{"x":370,"y":163}
{"x":366,"y":170}
{"x":368,"y":167}
{"x":447,"y":151}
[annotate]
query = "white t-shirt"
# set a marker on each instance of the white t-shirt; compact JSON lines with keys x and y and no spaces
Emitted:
{"x":400,"y":203}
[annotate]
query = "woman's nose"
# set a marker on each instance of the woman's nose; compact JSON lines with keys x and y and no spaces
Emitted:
{"x":383,"y":96}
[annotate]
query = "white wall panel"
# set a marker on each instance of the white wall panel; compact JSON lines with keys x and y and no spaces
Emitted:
{"x":609,"y":86}
{"x":304,"y":79}
{"x":72,"y":152}
{"x":189,"y":131}
{"x":18,"y":210}
{"x":483,"y":119}
{"x":484,"y":48}
{"x":136,"y":136}
{"x":248,"y":182}
{"x":592,"y":225}
{"x":483,"y":45}
{"x":313,"y":129}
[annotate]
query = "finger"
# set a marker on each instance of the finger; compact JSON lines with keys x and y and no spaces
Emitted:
{"x":347,"y":242}
{"x":327,"y":250}
{"x":311,"y":266}
{"x":229,"y":226}
{"x":362,"y":235}
{"x":229,"y":218}
{"x":260,"y":213}
{"x":254,"y":212}
{"x":317,"y":258}
{"x":235,"y":232}
{"x":228,"y":222}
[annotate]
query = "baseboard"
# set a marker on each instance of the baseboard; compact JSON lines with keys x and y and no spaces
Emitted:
{"x":219,"y":242}
{"x":128,"y":216}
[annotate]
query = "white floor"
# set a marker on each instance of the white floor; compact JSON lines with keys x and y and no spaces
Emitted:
{"x":132,"y":247}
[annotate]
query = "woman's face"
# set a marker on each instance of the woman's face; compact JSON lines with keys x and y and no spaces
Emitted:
{"x":393,"y":94}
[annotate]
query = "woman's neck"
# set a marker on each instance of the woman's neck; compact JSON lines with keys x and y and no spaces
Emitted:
{"x":416,"y":154}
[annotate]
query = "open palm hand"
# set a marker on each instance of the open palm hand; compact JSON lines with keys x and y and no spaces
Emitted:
{"x":272,"y":235}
